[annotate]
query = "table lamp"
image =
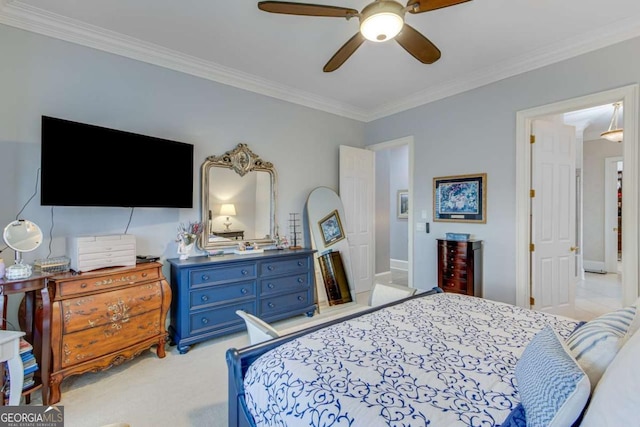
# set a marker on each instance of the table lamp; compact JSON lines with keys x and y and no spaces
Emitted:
{"x":227,"y":209}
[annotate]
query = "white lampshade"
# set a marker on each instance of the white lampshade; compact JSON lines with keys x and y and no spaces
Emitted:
{"x":228,"y":209}
{"x":382,"y":21}
{"x":614,"y":134}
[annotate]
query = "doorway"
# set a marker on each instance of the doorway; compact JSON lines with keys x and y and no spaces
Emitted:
{"x":394,"y":230}
{"x":524,"y":120}
{"x":365,"y":260}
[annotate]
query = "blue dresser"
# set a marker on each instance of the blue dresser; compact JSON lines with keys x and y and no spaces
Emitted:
{"x":207,"y":291}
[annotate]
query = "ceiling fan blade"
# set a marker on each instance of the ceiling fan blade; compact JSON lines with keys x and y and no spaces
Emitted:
{"x":291,"y":8}
{"x":427,"y":5}
{"x":418,"y":45}
{"x":344,"y":53}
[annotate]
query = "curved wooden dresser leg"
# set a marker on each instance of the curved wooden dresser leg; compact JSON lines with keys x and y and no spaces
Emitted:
{"x":160,"y":350}
{"x":54,"y":388}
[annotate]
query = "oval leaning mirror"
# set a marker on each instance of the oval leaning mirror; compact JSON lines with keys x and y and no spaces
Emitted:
{"x":238,"y":199}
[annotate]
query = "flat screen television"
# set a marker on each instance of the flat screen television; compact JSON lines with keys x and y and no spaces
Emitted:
{"x":88,"y":165}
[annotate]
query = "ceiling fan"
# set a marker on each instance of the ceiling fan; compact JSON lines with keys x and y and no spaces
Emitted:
{"x":380,"y":21}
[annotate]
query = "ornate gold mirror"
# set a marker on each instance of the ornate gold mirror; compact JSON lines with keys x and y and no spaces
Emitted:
{"x":238,"y":199}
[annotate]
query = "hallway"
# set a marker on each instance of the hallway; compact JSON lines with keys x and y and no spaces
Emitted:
{"x":598,"y":294}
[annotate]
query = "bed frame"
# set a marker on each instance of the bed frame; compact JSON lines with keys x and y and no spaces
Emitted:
{"x":238,"y":361}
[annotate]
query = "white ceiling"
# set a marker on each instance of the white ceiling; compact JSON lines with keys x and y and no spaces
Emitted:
{"x":233,"y":42}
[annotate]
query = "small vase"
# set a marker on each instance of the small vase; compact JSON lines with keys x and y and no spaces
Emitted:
{"x":184,"y":250}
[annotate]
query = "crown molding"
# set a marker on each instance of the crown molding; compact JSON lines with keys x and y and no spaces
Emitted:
{"x":26,"y":17}
{"x":20,"y":15}
{"x":615,"y":33}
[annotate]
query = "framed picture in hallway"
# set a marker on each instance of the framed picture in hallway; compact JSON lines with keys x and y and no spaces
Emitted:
{"x":460,"y":198}
{"x":403,"y":203}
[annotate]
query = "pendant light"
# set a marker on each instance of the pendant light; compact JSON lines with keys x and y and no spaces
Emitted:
{"x":613,"y":134}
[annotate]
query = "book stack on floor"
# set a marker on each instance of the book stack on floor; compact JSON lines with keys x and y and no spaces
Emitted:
{"x":29,"y":364}
{"x":30,"y":367}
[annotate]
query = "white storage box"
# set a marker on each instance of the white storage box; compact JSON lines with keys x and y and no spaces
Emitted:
{"x":93,"y":252}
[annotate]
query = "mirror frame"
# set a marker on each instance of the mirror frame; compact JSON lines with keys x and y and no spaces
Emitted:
{"x":36,"y":234}
{"x":242,"y":161}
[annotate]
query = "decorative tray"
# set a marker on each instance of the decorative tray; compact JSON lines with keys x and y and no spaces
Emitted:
{"x":248,"y":251}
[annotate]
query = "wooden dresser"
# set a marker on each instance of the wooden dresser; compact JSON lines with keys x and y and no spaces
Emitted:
{"x":460,"y":266}
{"x":207,"y":291}
{"x":102,"y":318}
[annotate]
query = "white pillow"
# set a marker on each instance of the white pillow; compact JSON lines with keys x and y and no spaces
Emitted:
{"x":596,"y":343}
{"x":635,"y":324}
{"x":616,"y":399}
{"x":553,"y":388}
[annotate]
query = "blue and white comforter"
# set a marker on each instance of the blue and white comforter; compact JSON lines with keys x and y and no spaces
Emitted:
{"x":442,"y":360}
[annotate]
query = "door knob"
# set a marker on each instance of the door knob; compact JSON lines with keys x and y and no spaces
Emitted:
{"x":573,"y":248}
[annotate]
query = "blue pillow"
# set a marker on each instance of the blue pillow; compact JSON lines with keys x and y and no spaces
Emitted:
{"x":516,"y":418}
{"x":553,"y":388}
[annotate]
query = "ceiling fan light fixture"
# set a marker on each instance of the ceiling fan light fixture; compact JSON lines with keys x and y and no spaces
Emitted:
{"x":382,"y":20}
{"x":614,"y":134}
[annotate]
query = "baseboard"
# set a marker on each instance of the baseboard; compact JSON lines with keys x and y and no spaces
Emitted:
{"x":593,"y":266}
{"x":398,"y":264}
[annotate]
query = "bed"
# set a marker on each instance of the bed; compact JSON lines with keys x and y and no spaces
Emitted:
{"x":434,"y":359}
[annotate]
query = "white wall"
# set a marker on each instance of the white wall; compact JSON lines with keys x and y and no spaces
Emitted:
{"x":44,"y":76}
{"x":399,"y":180}
{"x":382,"y":219}
{"x":475,"y":132}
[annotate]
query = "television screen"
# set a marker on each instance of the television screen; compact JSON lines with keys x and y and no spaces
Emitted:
{"x":87,"y":165}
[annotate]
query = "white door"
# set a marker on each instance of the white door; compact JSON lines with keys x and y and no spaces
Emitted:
{"x":357,"y":184}
{"x":611,"y":214}
{"x":553,"y":223}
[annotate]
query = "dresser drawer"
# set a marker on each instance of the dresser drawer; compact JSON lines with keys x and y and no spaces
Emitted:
{"x":454,"y":274}
{"x":95,"y":342}
{"x":287,"y":284}
{"x":231,"y":273}
{"x":273,"y":267}
{"x":283,"y":303}
{"x":219,"y":317}
{"x":454,"y":250}
{"x":221,"y":293}
{"x":97,"y":283}
{"x":93,"y":311}
{"x":452,"y":285}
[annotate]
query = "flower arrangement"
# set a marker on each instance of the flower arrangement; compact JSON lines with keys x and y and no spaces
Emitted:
{"x":188,"y":233}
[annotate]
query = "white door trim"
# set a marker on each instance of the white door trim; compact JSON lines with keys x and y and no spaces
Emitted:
{"x":611,"y":213}
{"x":630,"y":216}
{"x":407,"y":140}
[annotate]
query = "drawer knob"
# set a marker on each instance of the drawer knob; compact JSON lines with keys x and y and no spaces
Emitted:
{"x":300,"y":263}
{"x":244,"y":272}
{"x":300,"y":298}
{"x":270,"y":285}
{"x":205,"y":277}
{"x":271,"y":305}
{"x":300,"y":280}
{"x":244,"y":291}
{"x":451,"y":274}
{"x":144,"y":274}
{"x":84,"y":285}
{"x":270,"y":268}
{"x":204,"y":298}
{"x":205,"y":320}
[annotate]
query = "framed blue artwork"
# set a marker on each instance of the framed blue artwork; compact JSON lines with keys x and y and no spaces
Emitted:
{"x":331,"y":228}
{"x":460,"y":198}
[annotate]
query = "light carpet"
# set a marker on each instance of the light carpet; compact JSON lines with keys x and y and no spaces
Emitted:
{"x":179,"y":390}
